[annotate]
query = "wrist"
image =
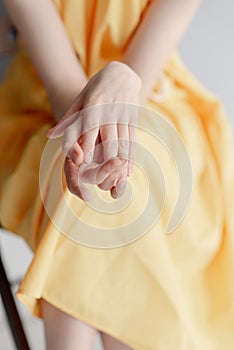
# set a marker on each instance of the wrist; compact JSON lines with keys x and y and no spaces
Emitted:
{"x":62,"y":96}
{"x":135,"y":76}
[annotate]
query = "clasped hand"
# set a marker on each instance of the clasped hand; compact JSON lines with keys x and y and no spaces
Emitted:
{"x":99,"y":131}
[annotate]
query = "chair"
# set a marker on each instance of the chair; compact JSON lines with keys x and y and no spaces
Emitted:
{"x":8,"y":46}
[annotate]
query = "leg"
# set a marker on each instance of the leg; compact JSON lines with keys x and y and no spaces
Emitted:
{"x":111,"y":343}
{"x":65,"y":332}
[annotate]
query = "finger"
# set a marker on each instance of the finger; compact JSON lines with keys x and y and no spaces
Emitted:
{"x":75,"y":153}
{"x":69,"y":118}
{"x":132,"y":149}
{"x":106,"y":169}
{"x":88,"y":173}
{"x":88,"y":144}
{"x":71,"y":147}
{"x":90,"y":132}
{"x":110,"y":181}
{"x":109,"y":137}
{"x":118,"y":190}
{"x":120,"y":186}
{"x":74,"y":185}
{"x":97,"y":173}
{"x":58,"y":129}
{"x":98,"y":151}
{"x":123,"y":140}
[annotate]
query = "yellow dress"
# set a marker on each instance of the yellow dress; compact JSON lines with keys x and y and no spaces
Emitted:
{"x":160,"y":291}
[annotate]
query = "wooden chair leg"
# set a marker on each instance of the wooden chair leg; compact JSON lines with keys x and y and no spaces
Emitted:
{"x":11,"y":311}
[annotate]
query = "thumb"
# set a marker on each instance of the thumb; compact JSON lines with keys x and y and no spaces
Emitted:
{"x":59,"y":129}
{"x":69,"y":117}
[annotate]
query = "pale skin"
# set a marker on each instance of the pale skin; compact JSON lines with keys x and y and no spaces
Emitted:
{"x":44,"y":36}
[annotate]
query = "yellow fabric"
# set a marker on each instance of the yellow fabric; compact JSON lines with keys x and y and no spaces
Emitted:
{"x":162,"y":291}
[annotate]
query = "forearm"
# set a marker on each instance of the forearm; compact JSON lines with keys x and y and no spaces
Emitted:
{"x":156,"y":38}
{"x":48,"y":45}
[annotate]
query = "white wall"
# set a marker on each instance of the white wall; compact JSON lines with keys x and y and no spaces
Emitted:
{"x":208,"y":48}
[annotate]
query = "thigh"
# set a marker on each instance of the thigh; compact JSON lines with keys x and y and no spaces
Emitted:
{"x":110,"y":343}
{"x":62,"y":331}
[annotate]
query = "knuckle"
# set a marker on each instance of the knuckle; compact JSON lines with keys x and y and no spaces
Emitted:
{"x":88,"y":124}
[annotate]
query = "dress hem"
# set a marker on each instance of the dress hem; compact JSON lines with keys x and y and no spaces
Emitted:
{"x":100,"y":327}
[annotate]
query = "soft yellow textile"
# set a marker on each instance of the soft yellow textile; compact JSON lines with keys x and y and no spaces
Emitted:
{"x":169,"y":292}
